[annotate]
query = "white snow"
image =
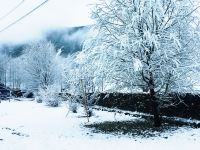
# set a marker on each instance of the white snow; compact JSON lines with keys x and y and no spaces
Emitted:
{"x":46,"y":128}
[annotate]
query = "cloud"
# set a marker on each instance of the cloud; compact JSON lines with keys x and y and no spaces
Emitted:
{"x":54,"y":14}
{"x":78,"y":35}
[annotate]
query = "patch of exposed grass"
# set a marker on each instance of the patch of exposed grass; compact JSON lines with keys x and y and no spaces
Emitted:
{"x":141,"y":128}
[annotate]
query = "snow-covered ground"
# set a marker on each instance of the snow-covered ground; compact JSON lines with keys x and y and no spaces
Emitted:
{"x":27,"y":125}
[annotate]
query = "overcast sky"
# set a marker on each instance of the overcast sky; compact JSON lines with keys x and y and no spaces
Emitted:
{"x":54,"y":14}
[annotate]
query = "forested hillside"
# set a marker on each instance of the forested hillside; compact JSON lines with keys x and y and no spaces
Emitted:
{"x":70,"y":40}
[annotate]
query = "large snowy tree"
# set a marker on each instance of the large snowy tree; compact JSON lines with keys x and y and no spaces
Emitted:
{"x":151,"y":43}
{"x":40,"y":65}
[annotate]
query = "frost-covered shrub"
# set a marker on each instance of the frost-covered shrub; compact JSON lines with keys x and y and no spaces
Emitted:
{"x":73,"y":102}
{"x":38,"y":99}
{"x":90,"y":113}
{"x":50,"y":95}
{"x":73,"y":107}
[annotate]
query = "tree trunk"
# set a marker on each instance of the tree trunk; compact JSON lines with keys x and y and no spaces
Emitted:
{"x":155,"y":108}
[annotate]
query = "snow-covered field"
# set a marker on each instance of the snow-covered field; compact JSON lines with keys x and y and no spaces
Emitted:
{"x":27,"y":125}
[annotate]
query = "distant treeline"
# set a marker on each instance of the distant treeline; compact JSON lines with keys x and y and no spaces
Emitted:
{"x":69,"y":39}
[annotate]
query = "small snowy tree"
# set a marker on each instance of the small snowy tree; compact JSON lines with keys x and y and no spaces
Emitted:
{"x":78,"y":81}
{"x":50,"y":95}
{"x":151,"y":43}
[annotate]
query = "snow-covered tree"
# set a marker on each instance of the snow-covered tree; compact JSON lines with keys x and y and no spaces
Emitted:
{"x":151,"y":43}
{"x":40,"y":65}
{"x":4,"y":66}
{"x":78,"y":71}
{"x":78,"y":81}
{"x":15,"y":74}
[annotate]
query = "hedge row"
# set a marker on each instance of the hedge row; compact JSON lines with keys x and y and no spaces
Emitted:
{"x":189,"y":108}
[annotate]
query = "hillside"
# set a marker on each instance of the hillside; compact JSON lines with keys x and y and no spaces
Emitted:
{"x":69,"y":39}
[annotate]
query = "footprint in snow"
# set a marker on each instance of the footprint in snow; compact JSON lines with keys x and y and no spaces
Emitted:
{"x":20,"y":134}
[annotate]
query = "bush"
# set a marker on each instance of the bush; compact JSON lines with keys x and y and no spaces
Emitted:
{"x":29,"y":95}
{"x":16,"y":93}
{"x":73,"y":107}
{"x":38,"y":99}
{"x":50,"y":96}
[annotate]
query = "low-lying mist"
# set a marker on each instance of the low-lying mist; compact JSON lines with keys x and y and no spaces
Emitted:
{"x":68,"y":39}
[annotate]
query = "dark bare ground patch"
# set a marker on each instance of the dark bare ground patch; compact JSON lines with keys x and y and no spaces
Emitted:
{"x":137,"y":128}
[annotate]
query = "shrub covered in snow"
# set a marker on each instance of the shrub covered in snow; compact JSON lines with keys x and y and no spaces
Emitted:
{"x":73,"y":107}
{"x":73,"y":102}
{"x":50,"y":95}
{"x":38,"y":99}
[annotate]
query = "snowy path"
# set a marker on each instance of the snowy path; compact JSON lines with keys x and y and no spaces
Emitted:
{"x":27,"y":125}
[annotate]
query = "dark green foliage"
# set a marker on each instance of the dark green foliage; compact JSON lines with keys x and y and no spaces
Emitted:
{"x":28,"y":95}
{"x":125,"y":101}
{"x":188,"y":108}
{"x":16,"y":93}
